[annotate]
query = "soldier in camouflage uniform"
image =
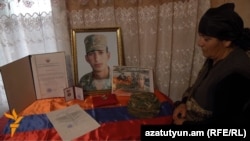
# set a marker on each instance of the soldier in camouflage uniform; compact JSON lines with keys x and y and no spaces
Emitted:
{"x":97,"y":55}
{"x":141,"y":86}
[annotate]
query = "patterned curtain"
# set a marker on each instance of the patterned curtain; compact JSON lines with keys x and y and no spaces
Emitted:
{"x":157,"y":34}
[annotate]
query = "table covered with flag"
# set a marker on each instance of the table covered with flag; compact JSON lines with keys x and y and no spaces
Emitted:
{"x":115,"y":121}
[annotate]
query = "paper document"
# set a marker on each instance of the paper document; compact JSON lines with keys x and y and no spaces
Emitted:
{"x":50,"y":74}
{"x":72,"y":122}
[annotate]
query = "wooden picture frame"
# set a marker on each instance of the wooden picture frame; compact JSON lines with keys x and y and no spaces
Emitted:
{"x":81,"y":66}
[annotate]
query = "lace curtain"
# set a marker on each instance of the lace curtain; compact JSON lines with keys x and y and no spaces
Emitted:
{"x":159,"y":34}
{"x":31,"y":27}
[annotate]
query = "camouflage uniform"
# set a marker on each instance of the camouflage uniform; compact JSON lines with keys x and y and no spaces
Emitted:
{"x":87,"y":82}
{"x":144,"y":88}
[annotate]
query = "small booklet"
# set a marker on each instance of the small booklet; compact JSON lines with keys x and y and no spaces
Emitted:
{"x":104,"y":100}
{"x":72,"y":122}
{"x":73,"y":92}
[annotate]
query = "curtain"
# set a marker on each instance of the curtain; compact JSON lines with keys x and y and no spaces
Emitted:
{"x":31,"y":27}
{"x":157,"y":34}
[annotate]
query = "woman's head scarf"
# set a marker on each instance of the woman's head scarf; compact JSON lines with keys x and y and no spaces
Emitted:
{"x":221,"y":22}
{"x":225,"y":24}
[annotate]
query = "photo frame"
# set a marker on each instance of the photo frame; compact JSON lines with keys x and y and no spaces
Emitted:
{"x":132,"y":79}
{"x":78,"y":49}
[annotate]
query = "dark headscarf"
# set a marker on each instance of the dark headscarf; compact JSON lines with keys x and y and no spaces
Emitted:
{"x":225,"y":24}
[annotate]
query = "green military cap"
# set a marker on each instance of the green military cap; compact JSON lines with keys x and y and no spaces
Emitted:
{"x":143,"y":105}
{"x":95,"y":42}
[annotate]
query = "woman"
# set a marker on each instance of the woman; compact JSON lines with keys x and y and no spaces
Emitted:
{"x":221,"y":93}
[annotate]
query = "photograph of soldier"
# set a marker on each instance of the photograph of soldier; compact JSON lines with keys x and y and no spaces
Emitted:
{"x":97,"y":55}
{"x":132,"y":79}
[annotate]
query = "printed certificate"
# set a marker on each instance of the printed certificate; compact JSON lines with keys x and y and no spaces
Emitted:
{"x":72,"y":122}
{"x":50,"y":74}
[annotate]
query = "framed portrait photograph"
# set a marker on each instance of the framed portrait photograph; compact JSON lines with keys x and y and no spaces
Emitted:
{"x":132,"y":79}
{"x":95,"y":51}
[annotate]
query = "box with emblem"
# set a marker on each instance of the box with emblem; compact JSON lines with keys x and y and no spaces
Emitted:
{"x":34,"y":77}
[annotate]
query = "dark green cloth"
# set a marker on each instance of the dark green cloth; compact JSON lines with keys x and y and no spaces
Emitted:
{"x":143,"y":105}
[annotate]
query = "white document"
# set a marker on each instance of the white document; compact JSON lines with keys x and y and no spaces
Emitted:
{"x":72,"y":122}
{"x":50,"y":74}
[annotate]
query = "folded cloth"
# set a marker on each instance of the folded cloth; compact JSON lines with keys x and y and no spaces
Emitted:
{"x":144,"y":105}
{"x":104,"y":100}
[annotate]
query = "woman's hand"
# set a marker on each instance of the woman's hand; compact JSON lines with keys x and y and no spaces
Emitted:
{"x":179,"y":114}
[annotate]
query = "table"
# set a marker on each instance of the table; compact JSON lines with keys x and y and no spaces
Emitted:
{"x":116,"y":123}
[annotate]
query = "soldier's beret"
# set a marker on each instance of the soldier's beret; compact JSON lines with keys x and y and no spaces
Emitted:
{"x":95,"y":42}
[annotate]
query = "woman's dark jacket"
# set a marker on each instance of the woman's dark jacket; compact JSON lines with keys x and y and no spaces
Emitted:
{"x":224,"y":89}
